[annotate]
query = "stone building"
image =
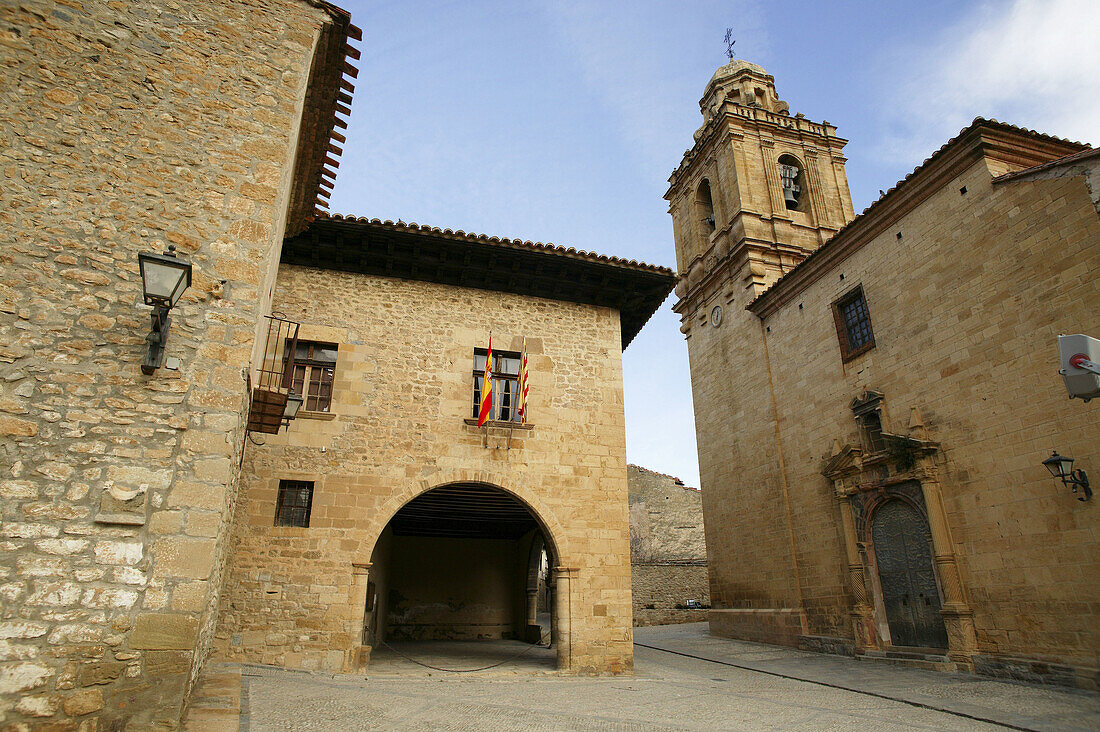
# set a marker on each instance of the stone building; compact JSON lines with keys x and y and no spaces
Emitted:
{"x":874,"y":395}
{"x":668,"y":553}
{"x":418,"y":524}
{"x":212,"y":127}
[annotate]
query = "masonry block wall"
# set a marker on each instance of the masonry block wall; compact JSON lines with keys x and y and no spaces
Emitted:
{"x":668,"y":555}
{"x":660,"y":591}
{"x":403,"y":388}
{"x":967,"y":294}
{"x":124,"y":128}
{"x":743,"y":493}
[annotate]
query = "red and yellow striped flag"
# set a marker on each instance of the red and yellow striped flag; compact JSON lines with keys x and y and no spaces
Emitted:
{"x":524,"y":387}
{"x":487,"y":387}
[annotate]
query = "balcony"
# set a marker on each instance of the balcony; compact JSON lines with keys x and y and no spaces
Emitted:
{"x":272,"y":404}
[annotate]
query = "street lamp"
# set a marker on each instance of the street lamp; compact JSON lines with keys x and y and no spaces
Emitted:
{"x":293,"y":404}
{"x":164,"y":277}
{"x":1062,"y":467}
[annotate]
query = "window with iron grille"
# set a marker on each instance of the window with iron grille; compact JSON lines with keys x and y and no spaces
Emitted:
{"x":314,"y":370}
{"x":853,"y":324}
{"x":294,"y":503}
{"x":505,"y":384}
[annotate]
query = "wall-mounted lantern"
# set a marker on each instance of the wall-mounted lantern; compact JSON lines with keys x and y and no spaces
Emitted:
{"x":1062,"y":467}
{"x":293,"y":404}
{"x":164,"y":277}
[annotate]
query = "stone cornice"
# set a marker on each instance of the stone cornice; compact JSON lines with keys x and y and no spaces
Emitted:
{"x":733,"y":260}
{"x":733,"y":117}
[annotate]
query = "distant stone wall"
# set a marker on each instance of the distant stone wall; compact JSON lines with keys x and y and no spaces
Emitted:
{"x":659,"y":588}
{"x":126,"y":127}
{"x":666,"y":518}
{"x":668,"y":555}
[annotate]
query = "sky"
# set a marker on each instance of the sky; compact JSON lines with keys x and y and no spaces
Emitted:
{"x":561,"y":121}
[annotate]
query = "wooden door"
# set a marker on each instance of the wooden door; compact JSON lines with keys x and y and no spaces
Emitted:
{"x":908,"y":581}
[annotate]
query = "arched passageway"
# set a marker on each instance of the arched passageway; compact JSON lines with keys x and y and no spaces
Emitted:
{"x":460,"y":563}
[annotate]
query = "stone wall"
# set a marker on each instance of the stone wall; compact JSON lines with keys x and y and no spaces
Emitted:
{"x":124,"y":128}
{"x":453,"y":589}
{"x":660,"y":592}
{"x":667,"y":549}
{"x":966,"y":333}
{"x":402,"y":393}
{"x":967,"y":293}
{"x":666,"y":518}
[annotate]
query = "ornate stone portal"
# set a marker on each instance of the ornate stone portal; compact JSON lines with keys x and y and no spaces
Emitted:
{"x":891,"y":469}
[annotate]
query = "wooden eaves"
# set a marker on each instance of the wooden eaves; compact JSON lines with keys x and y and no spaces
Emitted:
{"x":409,"y":251}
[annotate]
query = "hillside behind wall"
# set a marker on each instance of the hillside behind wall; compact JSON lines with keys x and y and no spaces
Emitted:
{"x":668,"y":555}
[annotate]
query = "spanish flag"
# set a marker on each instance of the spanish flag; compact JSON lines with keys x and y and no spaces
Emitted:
{"x":487,"y":387}
{"x":524,"y":387}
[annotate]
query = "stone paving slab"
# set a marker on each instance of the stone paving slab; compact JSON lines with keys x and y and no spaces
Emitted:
{"x":1006,"y":702}
{"x":679,"y":690}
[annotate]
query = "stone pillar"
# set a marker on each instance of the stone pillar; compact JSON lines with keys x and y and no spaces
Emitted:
{"x":771,"y":172}
{"x":358,"y":656}
{"x":563,"y":611}
{"x":819,"y":213}
{"x":863,"y":628}
{"x":532,"y":605}
{"x":962,"y":641}
{"x":532,"y":633}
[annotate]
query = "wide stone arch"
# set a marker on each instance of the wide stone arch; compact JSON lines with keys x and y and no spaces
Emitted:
{"x":556,"y":538}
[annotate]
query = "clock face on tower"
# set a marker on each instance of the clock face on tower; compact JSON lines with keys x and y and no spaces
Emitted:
{"x":716,"y":316}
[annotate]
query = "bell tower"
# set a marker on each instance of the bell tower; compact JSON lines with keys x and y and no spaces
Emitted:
{"x":757,"y":193}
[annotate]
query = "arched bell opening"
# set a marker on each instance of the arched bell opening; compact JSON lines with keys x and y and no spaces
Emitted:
{"x":462,"y":563}
{"x":704,"y":208}
{"x":792,"y":178}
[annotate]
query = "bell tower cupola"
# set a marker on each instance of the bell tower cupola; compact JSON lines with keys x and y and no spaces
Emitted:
{"x":758,"y":191}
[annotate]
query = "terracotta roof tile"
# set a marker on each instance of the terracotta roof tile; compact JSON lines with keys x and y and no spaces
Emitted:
{"x":327,"y":98}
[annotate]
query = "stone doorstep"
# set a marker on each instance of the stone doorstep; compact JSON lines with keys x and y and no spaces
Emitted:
{"x":910,"y":659}
{"x":215,"y":703}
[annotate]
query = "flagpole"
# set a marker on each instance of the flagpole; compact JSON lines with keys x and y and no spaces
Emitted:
{"x":520,"y":400}
{"x":486,"y":412}
{"x":512,"y":416}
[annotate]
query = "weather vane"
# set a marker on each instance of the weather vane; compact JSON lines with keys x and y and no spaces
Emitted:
{"x":729,"y":43}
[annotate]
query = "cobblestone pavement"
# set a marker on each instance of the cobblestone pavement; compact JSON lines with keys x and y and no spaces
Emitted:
{"x":778,"y":689}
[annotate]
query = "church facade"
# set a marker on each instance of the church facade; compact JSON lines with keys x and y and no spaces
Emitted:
{"x":150,"y":518}
{"x":875,"y":394}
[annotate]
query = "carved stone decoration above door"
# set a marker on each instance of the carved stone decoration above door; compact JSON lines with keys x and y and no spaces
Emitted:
{"x":899,"y":469}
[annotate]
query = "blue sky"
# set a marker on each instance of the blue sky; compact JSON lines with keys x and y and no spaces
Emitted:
{"x":561,"y":121}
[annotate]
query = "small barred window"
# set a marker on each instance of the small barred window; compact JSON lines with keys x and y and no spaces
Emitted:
{"x":853,"y":324}
{"x":294,"y":503}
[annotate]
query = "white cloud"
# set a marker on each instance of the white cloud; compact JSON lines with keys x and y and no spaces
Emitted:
{"x":636,"y":56}
{"x":1033,"y":63}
